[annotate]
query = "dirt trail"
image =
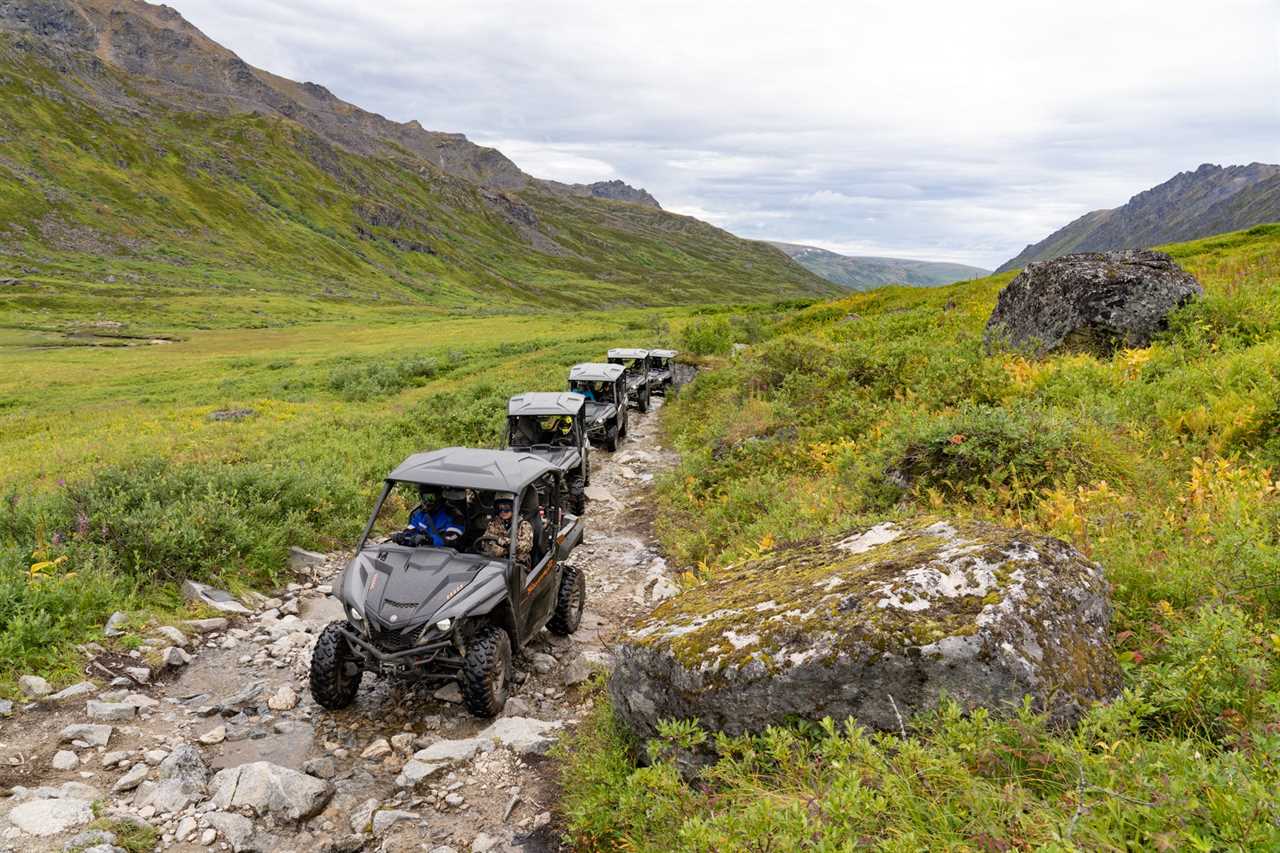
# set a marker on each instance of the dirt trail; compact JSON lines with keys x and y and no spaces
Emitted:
{"x":243,"y":698}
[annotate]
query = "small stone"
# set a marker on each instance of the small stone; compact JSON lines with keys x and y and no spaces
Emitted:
{"x":84,"y":688}
{"x":283,"y":699}
{"x":111,"y":759}
{"x":115,"y":624}
{"x":300,"y":558}
{"x":172,"y":634}
{"x":454,"y":799}
{"x":484,"y":843}
{"x":206,"y":626}
{"x":139,"y":674}
{"x":378,"y":749}
{"x":403,"y":742}
{"x":449,"y":693}
{"x":186,"y":828}
{"x":34,"y":686}
{"x":6,"y":708}
{"x":236,"y":829}
{"x":88,"y":733}
{"x":384,"y":819}
{"x":578,"y":671}
{"x":113,"y":711}
{"x":208,"y":837}
{"x":65,"y":760}
{"x":215,"y":735}
{"x":155,"y":756}
{"x":174,"y":656}
{"x":140,"y":701}
{"x":321,"y":768}
{"x":218,"y":599}
{"x":541,"y":820}
{"x":132,"y":779}
{"x":543,"y":663}
{"x":362,"y":816}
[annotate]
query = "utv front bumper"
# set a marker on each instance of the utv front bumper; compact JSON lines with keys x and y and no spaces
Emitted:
{"x":434,"y":660}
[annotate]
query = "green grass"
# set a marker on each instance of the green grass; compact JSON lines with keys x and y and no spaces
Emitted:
{"x":1162,"y":464}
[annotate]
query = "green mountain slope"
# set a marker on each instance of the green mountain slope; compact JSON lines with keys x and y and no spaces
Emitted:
{"x":864,"y":273}
{"x":1188,"y":206}
{"x":194,"y":202}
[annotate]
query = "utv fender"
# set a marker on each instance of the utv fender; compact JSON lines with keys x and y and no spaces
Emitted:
{"x":572,"y":538}
{"x":478,"y":598}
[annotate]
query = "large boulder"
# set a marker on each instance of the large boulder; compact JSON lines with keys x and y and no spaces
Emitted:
{"x":265,"y":788}
{"x":876,"y":625}
{"x":1092,"y":302}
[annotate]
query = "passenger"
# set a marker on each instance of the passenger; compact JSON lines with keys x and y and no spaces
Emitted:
{"x":589,"y":391}
{"x":496,"y":541}
{"x":431,"y":522}
{"x":557,"y":429}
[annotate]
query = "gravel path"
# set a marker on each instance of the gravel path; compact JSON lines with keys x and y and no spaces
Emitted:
{"x":223,"y":748}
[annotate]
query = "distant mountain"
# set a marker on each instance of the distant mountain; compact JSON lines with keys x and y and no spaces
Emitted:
{"x":1190,"y":205}
{"x":136,"y":147}
{"x":863,"y":273}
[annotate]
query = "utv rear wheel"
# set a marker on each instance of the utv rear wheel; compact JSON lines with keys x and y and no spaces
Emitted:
{"x":569,"y":602}
{"x":486,"y":672}
{"x":335,"y":672}
{"x":644,"y":401}
{"x":611,"y":439}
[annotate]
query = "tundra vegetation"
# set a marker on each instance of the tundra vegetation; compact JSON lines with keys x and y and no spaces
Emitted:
{"x":1162,"y":464}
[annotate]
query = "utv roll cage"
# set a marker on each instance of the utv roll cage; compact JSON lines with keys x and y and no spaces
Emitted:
{"x":524,"y":410}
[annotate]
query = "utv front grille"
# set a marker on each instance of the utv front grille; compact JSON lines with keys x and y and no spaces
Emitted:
{"x":398,"y":641}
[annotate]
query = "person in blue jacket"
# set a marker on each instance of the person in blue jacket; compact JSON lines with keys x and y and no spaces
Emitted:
{"x":432,"y":523}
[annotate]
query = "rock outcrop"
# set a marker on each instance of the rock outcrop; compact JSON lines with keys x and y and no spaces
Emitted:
{"x":876,"y":626}
{"x":1093,"y":302}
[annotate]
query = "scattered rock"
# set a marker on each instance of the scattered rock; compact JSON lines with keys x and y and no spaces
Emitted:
{"x":378,"y":749}
{"x":215,"y":735}
{"x":88,"y":839}
{"x":206,"y":626}
{"x":236,"y":829}
{"x":449,"y":693}
{"x":218,"y":599}
{"x":6,"y":708}
{"x":484,"y":843}
{"x":174,"y":656}
{"x":267,"y":788}
{"x":139,"y":674}
{"x":75,"y":691}
{"x":403,"y":742}
{"x":300,"y":558}
{"x":981,"y":613}
{"x":321,"y":768}
{"x":578,"y":671}
{"x":155,"y":756}
{"x":172,"y":634}
{"x":132,"y":779}
{"x":283,"y":699}
{"x":65,"y":760}
{"x":115,"y":624}
{"x":384,"y":819}
{"x":94,"y":735}
{"x":523,"y":735}
{"x":113,"y":711}
{"x":1093,"y":302}
{"x":34,"y":686}
{"x":543,"y":663}
{"x":50,"y":817}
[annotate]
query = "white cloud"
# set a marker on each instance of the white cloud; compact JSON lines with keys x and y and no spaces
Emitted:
{"x":961,"y":128}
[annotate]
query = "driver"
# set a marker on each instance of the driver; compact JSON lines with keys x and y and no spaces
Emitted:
{"x":432,"y":522}
{"x":558,"y":429}
{"x":496,"y":541}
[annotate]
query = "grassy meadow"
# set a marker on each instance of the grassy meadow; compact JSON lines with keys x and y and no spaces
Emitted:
{"x":1163,"y":464}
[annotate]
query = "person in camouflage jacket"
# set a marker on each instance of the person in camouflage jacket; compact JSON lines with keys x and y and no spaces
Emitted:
{"x":497,"y":534}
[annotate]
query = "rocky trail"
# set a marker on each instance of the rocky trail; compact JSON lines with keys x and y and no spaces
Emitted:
{"x":220,"y":746}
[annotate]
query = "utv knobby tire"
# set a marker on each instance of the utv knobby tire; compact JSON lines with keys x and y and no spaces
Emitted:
{"x":332,"y":685}
{"x":579,"y":504}
{"x":643,"y":401}
{"x":486,"y":672}
{"x":611,"y":439}
{"x":570,"y":600}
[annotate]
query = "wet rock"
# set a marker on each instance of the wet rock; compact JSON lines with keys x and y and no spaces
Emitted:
{"x":984,"y":614}
{"x":65,"y":760}
{"x":283,"y":699}
{"x":113,"y":711}
{"x":266,"y":788}
{"x":1093,"y":302}
{"x":51,"y":817}
{"x":75,"y":691}
{"x":218,"y":599}
{"x":94,"y":735}
{"x":34,"y":686}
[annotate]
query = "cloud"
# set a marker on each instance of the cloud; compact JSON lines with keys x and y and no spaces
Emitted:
{"x":959,"y":130}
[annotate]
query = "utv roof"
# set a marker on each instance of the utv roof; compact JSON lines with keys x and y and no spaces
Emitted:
{"x":594,"y":372}
{"x":469,"y":468}
{"x":546,"y":403}
{"x":628,"y":353}
{"x":663,"y":353}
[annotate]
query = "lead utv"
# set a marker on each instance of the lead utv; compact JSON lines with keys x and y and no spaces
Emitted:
{"x":636,"y":363}
{"x":661,"y":375}
{"x":553,"y":425}
{"x":605,"y":388}
{"x":418,"y":612}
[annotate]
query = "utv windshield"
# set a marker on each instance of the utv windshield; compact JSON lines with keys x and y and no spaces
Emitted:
{"x":553,"y":430}
{"x":595,"y":391}
{"x":431,"y":517}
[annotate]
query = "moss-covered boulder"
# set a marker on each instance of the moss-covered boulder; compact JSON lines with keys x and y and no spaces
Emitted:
{"x":876,"y":624}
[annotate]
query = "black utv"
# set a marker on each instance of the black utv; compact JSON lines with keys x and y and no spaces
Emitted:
{"x":431,"y":602}
{"x":636,"y":363}
{"x":661,"y":375}
{"x":605,"y":388}
{"x":553,"y":425}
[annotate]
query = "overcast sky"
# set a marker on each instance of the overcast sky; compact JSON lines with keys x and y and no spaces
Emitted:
{"x":937,"y":130}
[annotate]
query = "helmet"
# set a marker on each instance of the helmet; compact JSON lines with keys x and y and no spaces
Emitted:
{"x":503,"y":503}
{"x":429,"y":494}
{"x":455,"y":494}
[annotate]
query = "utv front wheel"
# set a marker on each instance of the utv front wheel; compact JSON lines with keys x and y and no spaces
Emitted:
{"x":335,"y":672}
{"x":486,"y":672}
{"x":643,"y":401}
{"x":569,"y":602}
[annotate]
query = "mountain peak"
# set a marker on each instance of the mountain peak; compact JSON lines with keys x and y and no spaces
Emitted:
{"x":619,"y":191}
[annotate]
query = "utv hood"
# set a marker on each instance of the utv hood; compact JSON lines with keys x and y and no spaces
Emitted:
{"x":564,"y":458}
{"x":598,"y":413}
{"x":395,"y":587}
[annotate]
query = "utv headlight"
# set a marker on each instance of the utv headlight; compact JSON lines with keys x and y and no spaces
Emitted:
{"x":444,"y":624}
{"x":355,"y":614}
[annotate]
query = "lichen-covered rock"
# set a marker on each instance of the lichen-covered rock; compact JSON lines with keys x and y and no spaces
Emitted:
{"x":983,"y":614}
{"x":1092,"y":302}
